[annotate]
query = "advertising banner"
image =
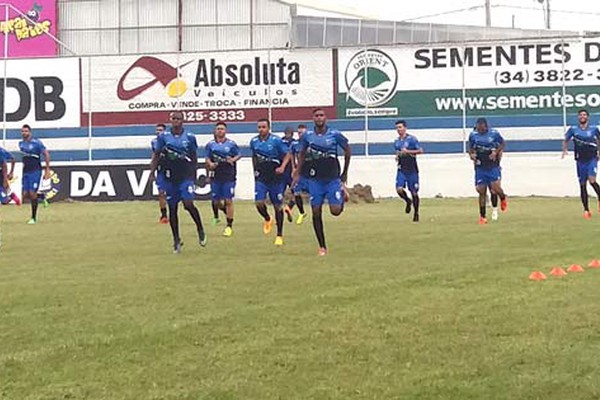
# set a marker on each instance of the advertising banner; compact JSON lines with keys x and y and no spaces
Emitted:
{"x":28,"y":25}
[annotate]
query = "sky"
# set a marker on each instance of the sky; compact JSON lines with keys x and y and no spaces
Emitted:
{"x":566,"y":15}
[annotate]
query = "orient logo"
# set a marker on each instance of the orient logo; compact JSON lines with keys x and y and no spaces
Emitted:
{"x":371,"y":78}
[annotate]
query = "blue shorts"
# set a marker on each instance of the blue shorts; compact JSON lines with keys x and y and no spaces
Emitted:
{"x":30,"y":182}
{"x":160,"y":181}
{"x":178,"y":191}
{"x":319,"y":190}
{"x":301,"y":186}
{"x":585,"y":169}
{"x":222,"y":190}
{"x":275,"y":191}
{"x":4,"y":198}
{"x":408,"y":180}
{"x":487,"y":176}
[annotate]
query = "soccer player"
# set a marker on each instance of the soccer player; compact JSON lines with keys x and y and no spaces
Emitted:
{"x":32,"y":150}
{"x":302,"y":185}
{"x":586,"y":139}
{"x":288,"y":140}
{"x":269,"y":159}
{"x":160,"y":178}
{"x":407,"y":148}
{"x":6,"y":194}
{"x":179,"y":151}
{"x":484,"y":146}
{"x":3,"y":173}
{"x":222,"y":154}
{"x":319,"y":148}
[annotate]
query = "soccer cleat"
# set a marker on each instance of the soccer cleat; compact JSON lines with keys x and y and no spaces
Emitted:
{"x":482,"y":221}
{"x":45,"y":203}
{"x":587,"y":215}
{"x":288,"y":212}
{"x":202,"y":239}
{"x":16,"y":199}
{"x":267,"y":226}
{"x":300,"y":219}
{"x":279,"y":241}
{"x":416,"y":218}
{"x":215,"y":221}
{"x":32,"y":221}
{"x":228,"y":232}
{"x":504,"y":204}
{"x":163,"y":220}
{"x":322,"y":251}
{"x":177,"y":246}
{"x":494,"y":214}
{"x":408,"y":207}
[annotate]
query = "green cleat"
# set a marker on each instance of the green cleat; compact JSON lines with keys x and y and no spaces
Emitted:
{"x":32,"y":221}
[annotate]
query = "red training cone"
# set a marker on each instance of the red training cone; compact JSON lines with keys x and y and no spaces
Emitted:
{"x":558,"y":271}
{"x":537,"y":276}
{"x":575,"y":268}
{"x":595,"y":263}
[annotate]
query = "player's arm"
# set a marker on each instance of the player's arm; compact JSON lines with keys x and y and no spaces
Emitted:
{"x":301,"y":160}
{"x":236,"y":155}
{"x":4,"y":175}
{"x":46,"y":154}
{"x":155,"y":157}
{"x":286,"y":158}
{"x":565,"y":145}
{"x":497,"y":152}
{"x":347,"y":156}
{"x":415,"y":150}
{"x":10,"y":175}
{"x":207,"y":158}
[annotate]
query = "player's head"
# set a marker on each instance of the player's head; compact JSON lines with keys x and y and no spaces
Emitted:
{"x":288,"y":132}
{"x":481,"y":125}
{"x":401,"y":127}
{"x":220,"y":130}
{"x":583,"y":116}
{"x":160,"y":128}
{"x":263,"y":126}
{"x":301,"y":130}
{"x":176,"y":119}
{"x":26,"y":132}
{"x":319,"y":117}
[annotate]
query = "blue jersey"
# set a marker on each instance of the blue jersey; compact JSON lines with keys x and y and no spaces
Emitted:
{"x":322,"y":153}
{"x":218,"y":152}
{"x":179,"y":154}
{"x":586,"y":142}
{"x":289,"y":143}
{"x":31,"y":152}
{"x":267,"y":155}
{"x":484,"y":144}
{"x":407,"y":163}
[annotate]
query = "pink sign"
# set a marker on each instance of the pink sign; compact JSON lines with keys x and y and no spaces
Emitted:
{"x":28,"y":25}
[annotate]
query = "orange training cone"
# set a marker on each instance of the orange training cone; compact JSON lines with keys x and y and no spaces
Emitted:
{"x":558,"y":271}
{"x":575,"y":268}
{"x":595,"y":263}
{"x":537,"y":276}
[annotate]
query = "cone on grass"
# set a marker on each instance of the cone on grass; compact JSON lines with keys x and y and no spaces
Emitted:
{"x":537,"y":276}
{"x":575,"y":268}
{"x":595,"y":263}
{"x":558,"y":271}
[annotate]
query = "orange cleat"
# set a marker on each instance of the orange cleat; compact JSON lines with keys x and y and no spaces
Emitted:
{"x":504,"y":205}
{"x":267,"y":226}
{"x":587,"y":215}
{"x":482,"y":221}
{"x":163,"y":220}
{"x":322,"y":251}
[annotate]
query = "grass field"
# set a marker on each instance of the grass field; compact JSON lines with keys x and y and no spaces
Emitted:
{"x":93,"y":305}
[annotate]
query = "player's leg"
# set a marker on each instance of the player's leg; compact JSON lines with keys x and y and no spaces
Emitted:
{"x":482,"y":191}
{"x":172,"y":197}
{"x":494,"y":200}
{"x":592,"y":170}
{"x":228,"y":203}
{"x":400,"y":185}
{"x":413,"y":186}
{"x":276,"y":197}
{"x":31,"y":182}
{"x":291,"y":203}
{"x":187,"y":193}
{"x":301,"y":186}
{"x":582,"y":176}
{"x":335,"y":197}
{"x":318,"y":191}
{"x":260,"y":195}
{"x":162,"y":204}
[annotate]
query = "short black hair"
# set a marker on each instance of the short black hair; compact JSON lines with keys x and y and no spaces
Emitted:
{"x":401,"y":121}
{"x":174,"y":113}
{"x":161,"y":125}
{"x":26,"y":126}
{"x":264,"y":120}
{"x":585,"y":111}
{"x":221,"y":123}
{"x":288,"y":129}
{"x":301,"y":126}
{"x":481,"y":120}
{"x":318,"y":109}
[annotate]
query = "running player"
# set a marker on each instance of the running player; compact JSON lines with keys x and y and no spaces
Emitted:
{"x":269,"y":159}
{"x":407,"y":148}
{"x":222,"y":154}
{"x":7,"y":195}
{"x":288,"y":140}
{"x":32,"y":150}
{"x":319,"y":148}
{"x":179,"y":151}
{"x":586,"y":139}
{"x":484,"y":146}
{"x":160,"y":178}
{"x":3,"y":174}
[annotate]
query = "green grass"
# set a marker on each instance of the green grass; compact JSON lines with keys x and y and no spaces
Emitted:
{"x":93,"y":305}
